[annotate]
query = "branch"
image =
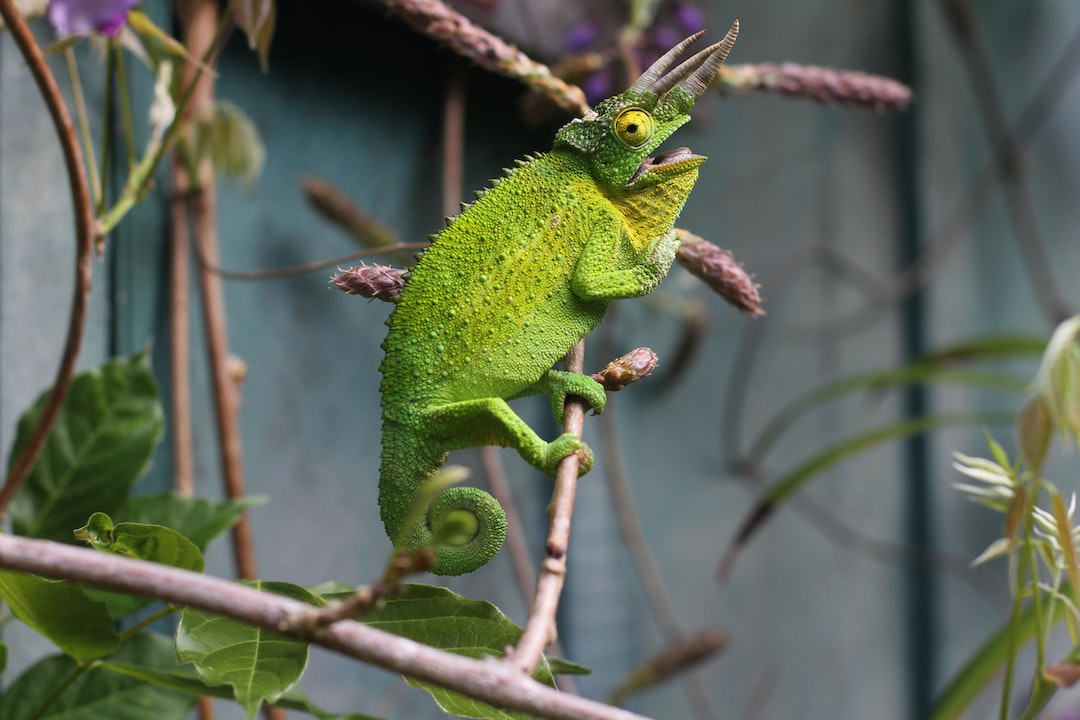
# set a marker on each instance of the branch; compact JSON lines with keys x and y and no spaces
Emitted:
{"x":540,"y":626}
{"x":84,"y":239}
{"x":436,"y":20}
{"x":486,"y":680}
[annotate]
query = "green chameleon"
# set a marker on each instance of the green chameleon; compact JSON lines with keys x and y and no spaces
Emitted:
{"x":512,"y":283}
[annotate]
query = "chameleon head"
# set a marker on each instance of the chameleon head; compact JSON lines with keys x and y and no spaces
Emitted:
{"x":619,"y":135}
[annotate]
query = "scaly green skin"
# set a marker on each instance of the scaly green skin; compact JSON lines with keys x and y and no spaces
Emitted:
{"x":504,"y":292}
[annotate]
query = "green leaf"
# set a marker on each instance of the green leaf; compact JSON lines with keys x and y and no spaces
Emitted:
{"x":985,"y":663}
{"x":256,"y":18}
{"x":443,"y":619}
{"x":1035,"y":431}
{"x":918,"y":372}
{"x":3,"y":657}
{"x":97,"y":692}
{"x":142,"y":541}
{"x":184,"y":679}
{"x":198,"y":519}
{"x":104,"y":437}
{"x":562,"y":666}
{"x":62,"y":612}
{"x":260,"y":665}
{"x":790,"y":483}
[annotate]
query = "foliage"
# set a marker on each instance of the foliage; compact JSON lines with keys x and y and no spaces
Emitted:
{"x":1041,"y":538}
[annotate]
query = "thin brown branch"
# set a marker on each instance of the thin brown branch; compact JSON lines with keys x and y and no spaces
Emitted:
{"x":828,"y":86}
{"x":84,"y":245}
{"x":179,"y":336}
{"x":486,"y":680}
{"x":200,"y":16}
{"x":540,"y":625}
{"x":211,"y":265}
{"x":633,"y":536}
{"x":443,"y":24}
{"x":1010,"y":166}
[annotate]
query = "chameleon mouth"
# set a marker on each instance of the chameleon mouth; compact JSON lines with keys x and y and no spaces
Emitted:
{"x":667,"y":160}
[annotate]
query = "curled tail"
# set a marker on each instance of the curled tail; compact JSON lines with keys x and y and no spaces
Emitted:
{"x":478,"y":521}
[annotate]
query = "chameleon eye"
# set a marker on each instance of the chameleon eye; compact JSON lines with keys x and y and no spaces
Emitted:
{"x":633,"y":127}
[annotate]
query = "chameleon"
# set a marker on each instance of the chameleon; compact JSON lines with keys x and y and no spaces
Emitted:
{"x":512,"y":283}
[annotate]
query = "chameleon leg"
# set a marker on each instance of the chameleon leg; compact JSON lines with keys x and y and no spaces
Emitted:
{"x":490,"y":421}
{"x":602,"y":272}
{"x":557,"y":384}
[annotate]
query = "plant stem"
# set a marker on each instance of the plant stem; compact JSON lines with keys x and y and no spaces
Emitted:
{"x":84,"y":122}
{"x":84,"y":247}
{"x":540,"y":625}
{"x":139,"y":180}
{"x":126,"y":116}
{"x":486,"y":680}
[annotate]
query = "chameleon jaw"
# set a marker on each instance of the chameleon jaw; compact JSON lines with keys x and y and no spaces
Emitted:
{"x":671,"y":162}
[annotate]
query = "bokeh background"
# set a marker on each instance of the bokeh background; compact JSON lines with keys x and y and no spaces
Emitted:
{"x":876,"y":237}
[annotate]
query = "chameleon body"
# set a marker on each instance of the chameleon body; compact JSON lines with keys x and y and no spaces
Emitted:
{"x":512,"y":284}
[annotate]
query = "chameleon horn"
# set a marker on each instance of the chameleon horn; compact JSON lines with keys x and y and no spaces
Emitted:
{"x":658,"y":68}
{"x":703,"y":76}
{"x":696,"y":73}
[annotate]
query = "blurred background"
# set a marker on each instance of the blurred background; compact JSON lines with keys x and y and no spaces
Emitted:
{"x":877,"y":237}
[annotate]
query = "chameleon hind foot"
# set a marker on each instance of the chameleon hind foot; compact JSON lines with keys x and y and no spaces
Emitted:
{"x":562,"y":446}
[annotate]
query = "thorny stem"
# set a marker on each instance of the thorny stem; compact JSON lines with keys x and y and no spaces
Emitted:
{"x":486,"y":680}
{"x":540,"y":626}
{"x":84,"y":243}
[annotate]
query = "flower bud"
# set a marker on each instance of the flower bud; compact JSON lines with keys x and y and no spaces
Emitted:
{"x":720,"y":272}
{"x":375,"y":282}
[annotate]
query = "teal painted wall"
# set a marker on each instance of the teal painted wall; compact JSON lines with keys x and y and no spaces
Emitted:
{"x":816,"y":605}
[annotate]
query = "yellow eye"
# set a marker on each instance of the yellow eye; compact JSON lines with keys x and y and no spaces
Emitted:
{"x":633,"y":127}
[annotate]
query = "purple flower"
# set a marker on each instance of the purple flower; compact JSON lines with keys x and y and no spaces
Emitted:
{"x":76,"y":17}
{"x":581,"y":37}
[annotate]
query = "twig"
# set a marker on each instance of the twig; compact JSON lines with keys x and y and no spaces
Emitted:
{"x":1009,"y":164}
{"x":210,"y":265}
{"x":179,"y":334}
{"x":648,"y":573}
{"x":490,"y":52}
{"x":84,"y":247}
{"x":540,"y":626}
{"x":200,"y":17}
{"x":486,"y":680}
{"x":824,"y":85}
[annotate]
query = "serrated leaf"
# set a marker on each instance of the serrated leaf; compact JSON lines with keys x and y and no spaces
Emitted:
{"x":443,"y":619}
{"x":260,"y":665}
{"x":96,"y":693}
{"x":101,"y":444}
{"x":197,"y":519}
{"x":62,"y":612}
{"x":142,"y":541}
